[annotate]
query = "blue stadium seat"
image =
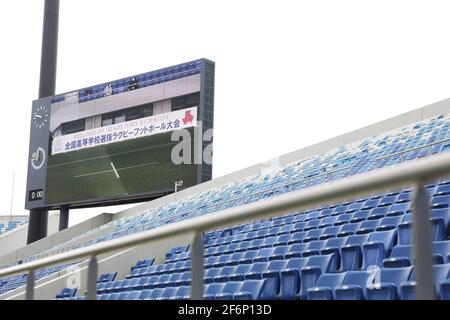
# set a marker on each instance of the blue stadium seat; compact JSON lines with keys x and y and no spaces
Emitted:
{"x":388,"y":287}
{"x":253,"y":290}
{"x":183,"y":293}
{"x":330,"y":232}
{"x":290,"y":278}
{"x":379,"y":245}
{"x":282,"y":240}
{"x":213,"y":289}
{"x":354,"y":286}
{"x":168,"y":294}
{"x":351,"y":253}
{"x":297,"y":237}
{"x":295,"y":250}
{"x":368,"y":226}
{"x":315,"y":266}
{"x":239,"y":272}
{"x":256,"y":271}
{"x":349,"y":229}
{"x":313,"y":235}
{"x":440,"y":271}
{"x":314,"y":247}
{"x":210,"y":275}
{"x":228,"y":290}
{"x":279,"y":253}
{"x":248,"y":256}
{"x":272,"y":275}
{"x":224,"y":274}
{"x":324,"y":288}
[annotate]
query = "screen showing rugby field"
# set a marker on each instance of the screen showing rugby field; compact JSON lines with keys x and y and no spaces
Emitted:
{"x":114,"y":143}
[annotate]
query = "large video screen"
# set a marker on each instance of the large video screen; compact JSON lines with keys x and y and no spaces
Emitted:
{"x":114,"y":143}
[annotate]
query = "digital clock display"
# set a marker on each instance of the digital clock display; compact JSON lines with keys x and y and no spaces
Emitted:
{"x":37,"y":194}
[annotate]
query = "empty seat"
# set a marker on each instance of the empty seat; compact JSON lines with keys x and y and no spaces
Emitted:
{"x":290,"y":278}
{"x":282,"y":240}
{"x":212,"y":289}
{"x":351,"y":253}
{"x":330,"y":232}
{"x":210,"y":274}
{"x":228,"y":290}
{"x":297,"y":237}
{"x":315,"y":266}
{"x":368,"y":226}
{"x":253,"y":290}
{"x":256,"y":270}
{"x":376,"y":249}
{"x":248,"y":256}
{"x":349,"y":229}
{"x":168,"y":294}
{"x":224,"y":273}
{"x":440,"y":272}
{"x":273,"y":275}
{"x":313,"y":235}
{"x":354,"y":285}
{"x":359,"y":216}
{"x":239,"y":272}
{"x":325,"y":285}
{"x":313,"y":248}
{"x":387,"y":287}
{"x":296,"y":250}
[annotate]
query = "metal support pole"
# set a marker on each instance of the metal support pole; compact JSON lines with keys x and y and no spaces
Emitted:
{"x":37,"y":226}
{"x":29,"y":293}
{"x":63,"y":217}
{"x":92,"y":279}
{"x":197,"y":267}
{"x":422,"y":245}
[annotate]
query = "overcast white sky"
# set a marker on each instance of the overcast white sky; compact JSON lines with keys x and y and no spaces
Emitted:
{"x":288,"y":73}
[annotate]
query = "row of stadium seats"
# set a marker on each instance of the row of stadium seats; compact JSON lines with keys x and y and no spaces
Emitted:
{"x":144,"y":80}
{"x":10,"y":225}
{"x":311,"y":278}
{"x":14,"y":282}
{"x":291,"y":266}
{"x":376,"y":213}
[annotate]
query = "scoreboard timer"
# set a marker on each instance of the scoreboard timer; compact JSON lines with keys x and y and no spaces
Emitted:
{"x":37,"y":194}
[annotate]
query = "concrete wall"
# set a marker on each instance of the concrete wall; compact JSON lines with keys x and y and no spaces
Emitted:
{"x":4,"y":219}
{"x":13,"y":245}
{"x":164,"y":106}
{"x":119,"y":261}
{"x":15,"y":239}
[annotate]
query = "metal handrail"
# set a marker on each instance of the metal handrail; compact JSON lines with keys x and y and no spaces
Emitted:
{"x":413,"y":149}
{"x":280,"y":184}
{"x":414,"y":172}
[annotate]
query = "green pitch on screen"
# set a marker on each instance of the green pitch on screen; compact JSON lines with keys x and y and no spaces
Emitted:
{"x":118,"y":169}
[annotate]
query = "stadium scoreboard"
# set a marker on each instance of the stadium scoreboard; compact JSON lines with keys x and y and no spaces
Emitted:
{"x":112,"y":143}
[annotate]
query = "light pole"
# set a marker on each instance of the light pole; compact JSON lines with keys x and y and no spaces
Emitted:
{"x":38,"y":220}
{"x":178,"y":184}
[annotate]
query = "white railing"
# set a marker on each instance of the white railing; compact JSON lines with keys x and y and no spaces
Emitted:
{"x":279,"y":185}
{"x":416,"y":172}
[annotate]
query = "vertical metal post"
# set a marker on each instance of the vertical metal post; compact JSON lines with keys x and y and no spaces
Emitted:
{"x":422,"y":245}
{"x":197,"y":256}
{"x":63,"y":217}
{"x":37,"y":226}
{"x":49,"y":50}
{"x":92,"y":279}
{"x":29,"y":293}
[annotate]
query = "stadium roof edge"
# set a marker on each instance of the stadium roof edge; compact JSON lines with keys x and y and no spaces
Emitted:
{"x":435,"y":109}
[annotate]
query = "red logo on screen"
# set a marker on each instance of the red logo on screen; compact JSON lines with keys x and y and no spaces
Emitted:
{"x":188,"y":117}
